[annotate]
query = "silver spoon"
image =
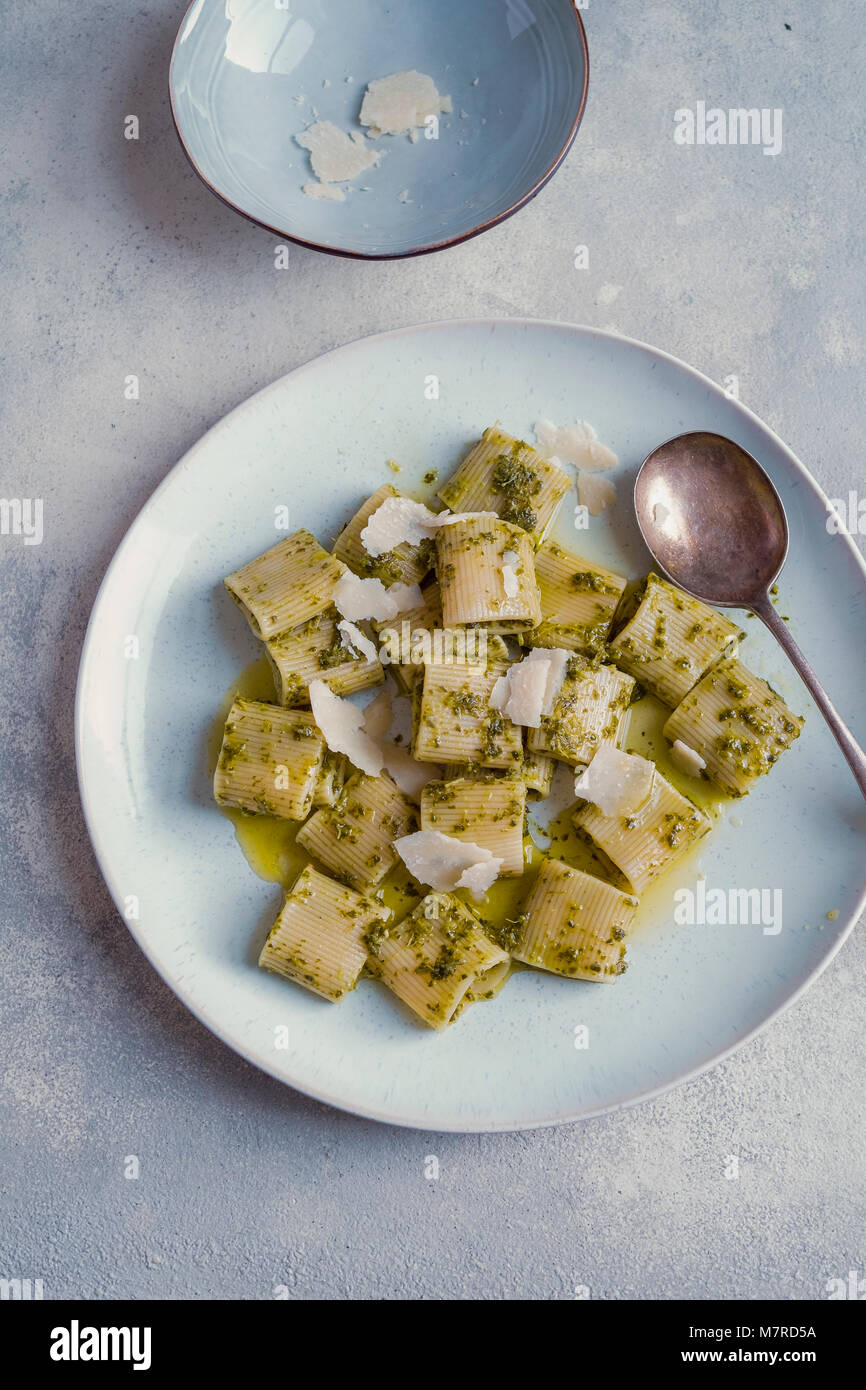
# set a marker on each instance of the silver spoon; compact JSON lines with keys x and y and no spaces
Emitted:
{"x":716,"y":527}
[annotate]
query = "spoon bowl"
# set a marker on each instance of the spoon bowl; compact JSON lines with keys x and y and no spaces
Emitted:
{"x":715,"y":525}
{"x":712,"y":519}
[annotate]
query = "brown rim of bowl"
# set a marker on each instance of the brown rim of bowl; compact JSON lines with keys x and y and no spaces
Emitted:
{"x":391,"y":255}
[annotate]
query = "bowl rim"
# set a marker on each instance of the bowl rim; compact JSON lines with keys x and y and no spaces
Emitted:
{"x":388,"y":255}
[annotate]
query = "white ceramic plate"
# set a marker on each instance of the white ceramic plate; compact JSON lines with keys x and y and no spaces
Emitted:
{"x":317,"y":441}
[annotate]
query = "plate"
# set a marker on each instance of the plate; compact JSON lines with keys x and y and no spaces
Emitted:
{"x":248,"y":75}
{"x":165,"y":644}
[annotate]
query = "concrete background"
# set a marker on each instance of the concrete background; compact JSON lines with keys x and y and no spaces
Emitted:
{"x":116,"y":260}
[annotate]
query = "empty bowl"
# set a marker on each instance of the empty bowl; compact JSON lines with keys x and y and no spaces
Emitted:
{"x":248,"y":76}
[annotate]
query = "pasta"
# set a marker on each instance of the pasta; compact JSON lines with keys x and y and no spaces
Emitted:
{"x":578,"y":601}
{"x":434,"y":958}
{"x":405,"y":564}
{"x":398,"y":634}
{"x":519,"y":660}
{"x":270,"y":760}
{"x":588,"y":712}
{"x":455,"y":722}
{"x":318,"y":650}
{"x":737,"y":723}
{"x":647,"y":842}
{"x":319,"y":939}
{"x":574,"y":924}
{"x":487,"y":813}
{"x":475,"y":560}
{"x":353,"y":839}
{"x":669,"y":639}
{"x":503,"y":475}
{"x":290,"y":583}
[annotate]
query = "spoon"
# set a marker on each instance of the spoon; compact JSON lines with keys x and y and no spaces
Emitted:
{"x":715,"y":525}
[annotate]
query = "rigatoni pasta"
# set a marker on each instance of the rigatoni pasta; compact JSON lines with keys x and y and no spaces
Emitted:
{"x":456,"y":723}
{"x":588,"y":712}
{"x":319,"y":939}
{"x":504,"y":475}
{"x":574,"y":924}
{"x":446,"y":819}
{"x":578,"y":601}
{"x":318,"y":650}
{"x":270,"y":760}
{"x":405,"y":564}
{"x":353,"y":839}
{"x":737,"y":723}
{"x":487,"y":813}
{"x":434,"y":958}
{"x":669,"y":639}
{"x":486,"y":575}
{"x":650,"y":839}
{"x":290,"y":583}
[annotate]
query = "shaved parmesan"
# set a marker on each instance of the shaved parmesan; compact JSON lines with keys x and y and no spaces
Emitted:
{"x":397,"y":104}
{"x":511,"y":583}
{"x":617,"y":783}
{"x":577,"y":444}
{"x":449,"y":518}
{"x":333,"y":155}
{"x":520,"y":693}
{"x":357,"y":598}
{"x":445,"y":863}
{"x":355,"y":640}
{"x":378,"y":715}
{"x":342,"y":726}
{"x":596,"y":494}
{"x":324,"y":190}
{"x":686,"y":759}
{"x":411,"y":777}
{"x":559,"y":659}
{"x":399,"y":520}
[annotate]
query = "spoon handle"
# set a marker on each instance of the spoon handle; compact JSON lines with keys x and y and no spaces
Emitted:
{"x":854,"y":755}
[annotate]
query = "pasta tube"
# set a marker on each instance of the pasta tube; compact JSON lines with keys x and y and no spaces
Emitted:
{"x":270,"y":760}
{"x":456,"y":723}
{"x":578,"y":601}
{"x":647,"y":842}
{"x":354,"y":838}
{"x":737,"y":723}
{"x":405,"y":564}
{"x":574,"y":924}
{"x":319,"y":937}
{"x":669,"y":639}
{"x":488,"y":814}
{"x":318,"y":651}
{"x":503,"y":475}
{"x":434,"y":958}
{"x":587,"y":713}
{"x":290,"y":583}
{"x":486,"y":575}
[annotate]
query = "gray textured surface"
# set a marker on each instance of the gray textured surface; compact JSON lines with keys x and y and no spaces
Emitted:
{"x":115,"y":260}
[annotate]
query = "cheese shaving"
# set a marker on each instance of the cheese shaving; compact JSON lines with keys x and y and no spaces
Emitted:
{"x":596,"y":494}
{"x":357,"y":599}
{"x":445,"y":863}
{"x":577,"y":444}
{"x":618,"y":783}
{"x":398,"y":104}
{"x":342,"y":724}
{"x":355,"y":640}
{"x":686,"y":758}
{"x":398,"y":521}
{"x":510,"y":582}
{"x":335,"y":157}
{"x":324,"y":190}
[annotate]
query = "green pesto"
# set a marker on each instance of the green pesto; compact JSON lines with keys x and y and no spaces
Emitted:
{"x":517,"y":484}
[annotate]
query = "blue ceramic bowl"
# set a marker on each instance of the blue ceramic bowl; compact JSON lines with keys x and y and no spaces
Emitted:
{"x":249,"y":75}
